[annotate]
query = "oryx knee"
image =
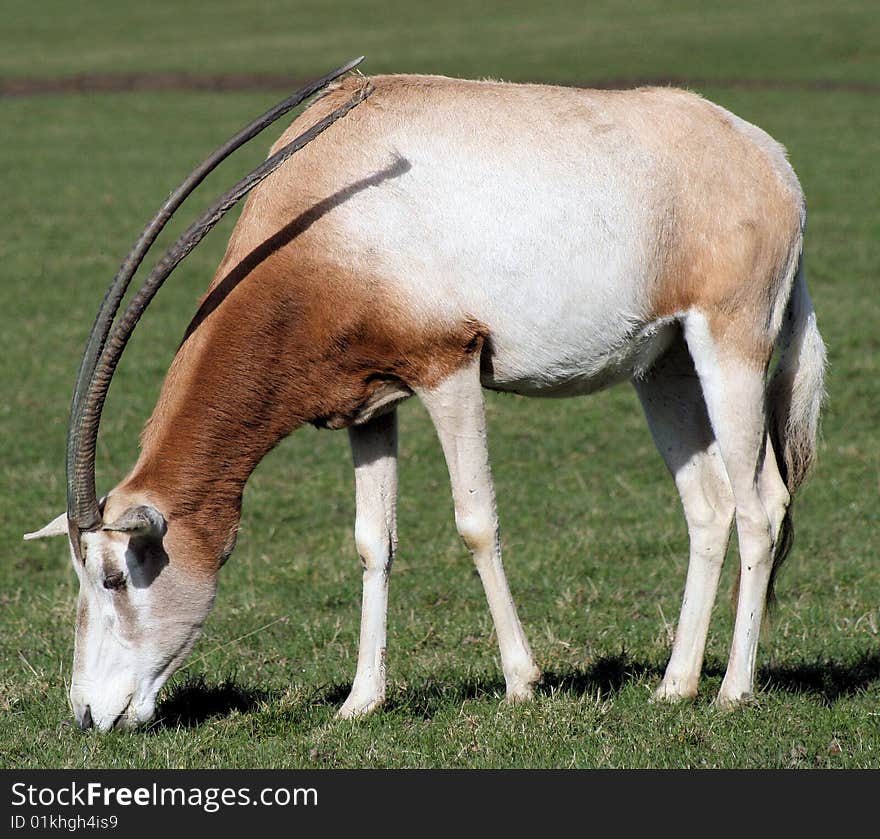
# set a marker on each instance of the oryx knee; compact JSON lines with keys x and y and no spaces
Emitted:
{"x":477,"y":531}
{"x":755,"y":534}
{"x":709,"y":510}
{"x":774,"y":496}
{"x":710,"y":518}
{"x":375,"y":548}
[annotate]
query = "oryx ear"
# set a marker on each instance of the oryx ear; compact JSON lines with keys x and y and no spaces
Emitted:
{"x":142,"y":520}
{"x":56,"y":527}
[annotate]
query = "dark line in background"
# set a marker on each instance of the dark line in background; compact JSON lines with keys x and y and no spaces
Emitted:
{"x":134,"y":83}
{"x":806,"y":86}
{"x":182,"y":82}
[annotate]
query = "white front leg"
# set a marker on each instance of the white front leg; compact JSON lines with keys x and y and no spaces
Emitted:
{"x":374,"y":449}
{"x":456,"y":408}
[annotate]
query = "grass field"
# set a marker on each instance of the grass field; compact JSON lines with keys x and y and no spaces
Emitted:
{"x":595,"y":543}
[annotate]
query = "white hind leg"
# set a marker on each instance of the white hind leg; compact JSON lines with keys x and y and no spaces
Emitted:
{"x":456,"y":408}
{"x":773,"y":491}
{"x":733,"y":388}
{"x":673,"y":403}
{"x":374,"y":449}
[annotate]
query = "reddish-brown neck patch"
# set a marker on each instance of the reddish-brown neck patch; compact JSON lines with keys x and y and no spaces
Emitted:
{"x":295,"y":340}
{"x":284,"y":336}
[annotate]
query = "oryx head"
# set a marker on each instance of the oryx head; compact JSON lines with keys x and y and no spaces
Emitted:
{"x":142,"y":603}
{"x":146,"y":583}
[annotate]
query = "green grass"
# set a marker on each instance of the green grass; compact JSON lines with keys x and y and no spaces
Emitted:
{"x":517,"y":39}
{"x":595,"y":544}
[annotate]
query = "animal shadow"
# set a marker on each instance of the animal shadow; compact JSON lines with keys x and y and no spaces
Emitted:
{"x":605,"y":677}
{"x":194,"y":701}
{"x":827,"y":681}
{"x":422,"y":699}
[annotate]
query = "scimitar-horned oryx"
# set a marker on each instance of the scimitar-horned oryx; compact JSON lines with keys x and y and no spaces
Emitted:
{"x":443,"y":237}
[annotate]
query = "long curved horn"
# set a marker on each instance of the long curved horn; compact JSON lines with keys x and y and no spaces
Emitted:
{"x":102,"y":356}
{"x":110,"y":305}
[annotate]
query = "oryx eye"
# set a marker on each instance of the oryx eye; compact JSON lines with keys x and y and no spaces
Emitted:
{"x":115,"y":581}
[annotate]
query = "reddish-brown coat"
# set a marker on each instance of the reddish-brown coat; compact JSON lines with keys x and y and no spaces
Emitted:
{"x":284,"y":337}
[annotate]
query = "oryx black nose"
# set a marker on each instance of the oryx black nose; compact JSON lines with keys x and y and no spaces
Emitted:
{"x":86,"y":720}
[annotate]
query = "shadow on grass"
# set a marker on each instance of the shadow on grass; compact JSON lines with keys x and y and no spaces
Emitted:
{"x":827,"y":681}
{"x":604,"y":677}
{"x":430,"y":697}
{"x":195,"y":701}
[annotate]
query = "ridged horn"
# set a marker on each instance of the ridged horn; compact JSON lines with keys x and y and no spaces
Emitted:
{"x":101,"y":355}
